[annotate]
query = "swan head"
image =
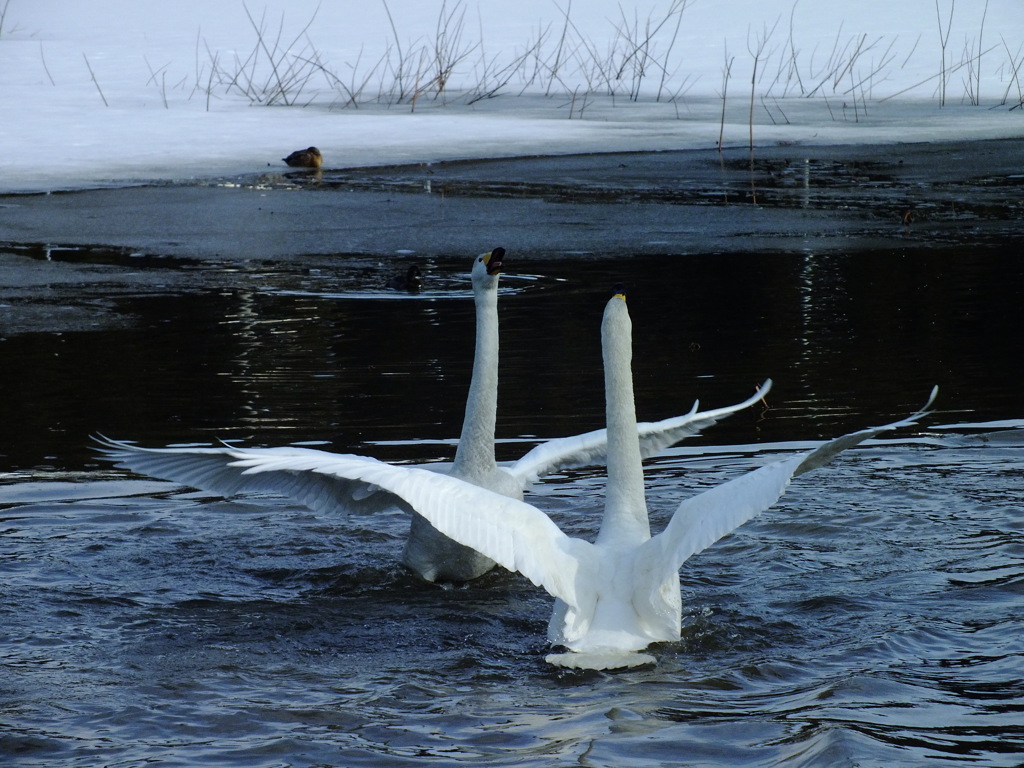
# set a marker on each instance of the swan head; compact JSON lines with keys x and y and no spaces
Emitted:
{"x":487,"y":267}
{"x":616,"y":315}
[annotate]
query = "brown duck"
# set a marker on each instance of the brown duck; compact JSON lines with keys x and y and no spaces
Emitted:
{"x":305,"y":158}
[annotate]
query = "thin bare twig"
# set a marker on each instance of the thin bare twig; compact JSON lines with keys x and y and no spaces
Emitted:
{"x":726,"y":73}
{"x":46,"y":69}
{"x":1015,"y":66}
{"x":943,"y":40}
{"x":94,"y":80}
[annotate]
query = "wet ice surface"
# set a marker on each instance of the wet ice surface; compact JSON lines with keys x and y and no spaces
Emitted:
{"x":873,"y":616}
{"x":805,"y":198}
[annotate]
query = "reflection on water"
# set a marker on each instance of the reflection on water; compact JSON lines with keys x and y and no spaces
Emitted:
{"x":329,"y":355}
{"x":873,"y":617}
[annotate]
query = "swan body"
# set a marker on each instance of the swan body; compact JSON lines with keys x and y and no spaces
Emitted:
{"x":317,"y":478}
{"x":614,"y":596}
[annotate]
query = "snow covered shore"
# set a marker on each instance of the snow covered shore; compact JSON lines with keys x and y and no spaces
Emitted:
{"x":132,"y":91}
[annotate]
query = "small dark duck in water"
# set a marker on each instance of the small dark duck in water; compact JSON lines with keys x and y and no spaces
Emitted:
{"x":305,"y":158}
{"x":412,"y":281}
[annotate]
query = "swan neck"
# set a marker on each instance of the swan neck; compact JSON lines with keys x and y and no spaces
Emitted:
{"x":475,"y":454}
{"x":625,"y":517}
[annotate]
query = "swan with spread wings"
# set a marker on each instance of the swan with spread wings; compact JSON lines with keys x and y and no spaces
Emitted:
{"x":616,"y":595}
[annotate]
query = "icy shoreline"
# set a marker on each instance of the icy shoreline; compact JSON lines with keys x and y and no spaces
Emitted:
{"x":112,"y":149}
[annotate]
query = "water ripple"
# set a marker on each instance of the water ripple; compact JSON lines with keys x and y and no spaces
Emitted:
{"x":871,"y":618}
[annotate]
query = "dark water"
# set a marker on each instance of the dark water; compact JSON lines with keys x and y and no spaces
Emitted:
{"x":875,"y":617}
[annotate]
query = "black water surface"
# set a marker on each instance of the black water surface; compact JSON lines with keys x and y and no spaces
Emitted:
{"x":330,"y":356}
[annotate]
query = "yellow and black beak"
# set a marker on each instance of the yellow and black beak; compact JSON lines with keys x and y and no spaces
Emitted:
{"x":493,"y":260}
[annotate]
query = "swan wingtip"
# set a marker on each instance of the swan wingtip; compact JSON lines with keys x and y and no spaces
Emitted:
{"x":108,"y":445}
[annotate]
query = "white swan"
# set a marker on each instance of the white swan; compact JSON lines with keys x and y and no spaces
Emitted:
{"x":429,"y":553}
{"x":614,"y":597}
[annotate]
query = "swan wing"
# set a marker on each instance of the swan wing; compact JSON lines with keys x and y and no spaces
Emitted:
{"x":213,"y":469}
{"x":825,"y":453}
{"x":592,"y":447}
{"x":517,"y":535}
{"x":513,"y":533}
{"x":702,"y":520}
